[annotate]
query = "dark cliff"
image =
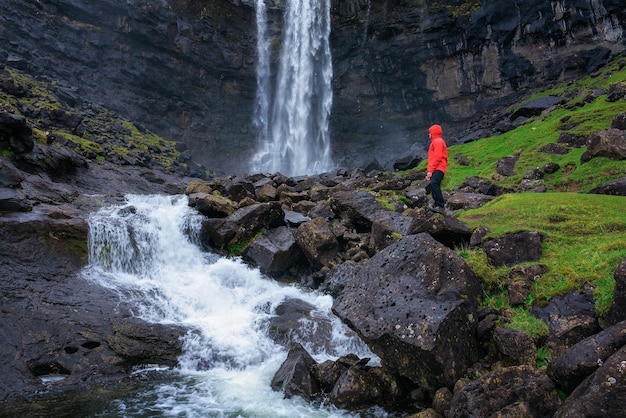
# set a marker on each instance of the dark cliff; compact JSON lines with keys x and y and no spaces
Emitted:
{"x":186,"y":70}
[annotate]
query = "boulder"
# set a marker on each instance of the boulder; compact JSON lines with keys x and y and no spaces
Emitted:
{"x":15,"y":133}
{"x":242,"y":225}
{"x":416,"y":309}
{"x":506,"y":165}
{"x":516,"y":348}
{"x":294,"y":376}
{"x":519,"y":388}
{"x":570,"y":319}
{"x":213,"y":206}
{"x":274,"y":252}
{"x":317,"y":241}
{"x":361,"y":387}
{"x":536,"y":107}
{"x":140,"y":342}
{"x":512,"y":249}
{"x":603,"y":394}
{"x":585,"y":357}
{"x":615,"y":188}
{"x":610,"y":143}
{"x":446,"y":229}
{"x":465,"y":201}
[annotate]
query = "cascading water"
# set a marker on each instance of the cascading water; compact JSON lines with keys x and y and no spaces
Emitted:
{"x":293,"y":123}
{"x":147,"y":251}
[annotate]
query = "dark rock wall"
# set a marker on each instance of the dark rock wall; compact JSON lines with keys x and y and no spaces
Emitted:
{"x":186,"y":69}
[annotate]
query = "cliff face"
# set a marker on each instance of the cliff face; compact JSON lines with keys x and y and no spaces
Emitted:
{"x":186,"y":70}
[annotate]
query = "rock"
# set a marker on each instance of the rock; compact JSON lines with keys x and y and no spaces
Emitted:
{"x":213,"y":206}
{"x":242,"y":225}
{"x":13,"y":200}
{"x":317,"y":241}
{"x":520,"y":282}
{"x":617,"y":92}
{"x":358,"y":388}
{"x":572,"y":140}
{"x":140,"y":342}
{"x":615,"y":188}
{"x":51,"y":159}
{"x":504,"y":390}
{"x":582,"y":359}
{"x":570,"y":318}
{"x":294,"y":377}
{"x":410,"y":159}
{"x":617,"y":311}
{"x":602,"y":393}
{"x":512,"y":249}
{"x":515,"y":347}
{"x":610,"y":144}
{"x":536,"y":107}
{"x":446,"y":229}
{"x":465,"y":201}
{"x":15,"y":133}
{"x":619,"y":121}
{"x":416,"y":310}
{"x":506,"y":165}
{"x":274,"y":252}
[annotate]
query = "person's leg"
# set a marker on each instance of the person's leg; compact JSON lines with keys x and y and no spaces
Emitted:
{"x":435,"y":184}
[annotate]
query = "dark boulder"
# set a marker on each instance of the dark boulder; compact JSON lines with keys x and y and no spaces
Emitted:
{"x":416,"y":309}
{"x":512,"y":249}
{"x":515,"y":348}
{"x":603,"y":394}
{"x":465,"y":201}
{"x":609,"y":144}
{"x":615,"y":188}
{"x":15,"y":133}
{"x":213,"y":206}
{"x":506,"y":165}
{"x":294,"y":376}
{"x":274,"y":252}
{"x":505,"y":390}
{"x":318,"y":243}
{"x":361,"y":387}
{"x":570,"y":318}
{"x":585,"y":357}
{"x":536,"y":107}
{"x":243,"y":224}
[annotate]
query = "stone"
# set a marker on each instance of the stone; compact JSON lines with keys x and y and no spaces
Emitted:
{"x":294,"y":376}
{"x":317,"y":241}
{"x":609,"y":144}
{"x":274,"y":252}
{"x":512,"y":249}
{"x":417,"y":310}
{"x":617,"y":311}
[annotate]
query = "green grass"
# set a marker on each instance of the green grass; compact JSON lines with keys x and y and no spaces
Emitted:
{"x":584,"y":240}
{"x":574,"y":117}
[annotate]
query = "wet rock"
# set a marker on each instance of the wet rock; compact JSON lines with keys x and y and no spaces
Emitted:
{"x":140,"y":342}
{"x":317,"y":241}
{"x":243,"y":224}
{"x":294,"y":377}
{"x":213,"y":206}
{"x":359,"y":387}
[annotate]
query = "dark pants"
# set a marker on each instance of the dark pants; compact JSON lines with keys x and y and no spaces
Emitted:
{"x":435,"y":184}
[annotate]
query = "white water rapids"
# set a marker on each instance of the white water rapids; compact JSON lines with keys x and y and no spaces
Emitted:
{"x":147,"y":250}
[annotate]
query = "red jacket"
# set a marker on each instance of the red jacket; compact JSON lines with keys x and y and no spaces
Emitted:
{"x":437,"y":152}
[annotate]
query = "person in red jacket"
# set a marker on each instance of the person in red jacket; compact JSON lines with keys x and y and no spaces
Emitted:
{"x":437,"y":165}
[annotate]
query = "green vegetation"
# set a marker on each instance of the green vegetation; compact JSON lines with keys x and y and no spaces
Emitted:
{"x":102,"y":136}
{"x":584,"y":235}
{"x":584,"y":240}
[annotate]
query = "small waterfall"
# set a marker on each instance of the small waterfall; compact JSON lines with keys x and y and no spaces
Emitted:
{"x":293,"y":124}
{"x":147,"y":250}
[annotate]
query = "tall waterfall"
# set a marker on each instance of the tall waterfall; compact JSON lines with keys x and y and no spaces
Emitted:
{"x":147,"y":251}
{"x":292,"y":118}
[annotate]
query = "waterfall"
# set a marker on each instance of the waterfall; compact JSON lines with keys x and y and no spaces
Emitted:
{"x":293,"y":124}
{"x":148,"y":251}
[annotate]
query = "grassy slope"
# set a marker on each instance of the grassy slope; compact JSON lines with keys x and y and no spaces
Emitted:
{"x":584,"y":235}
